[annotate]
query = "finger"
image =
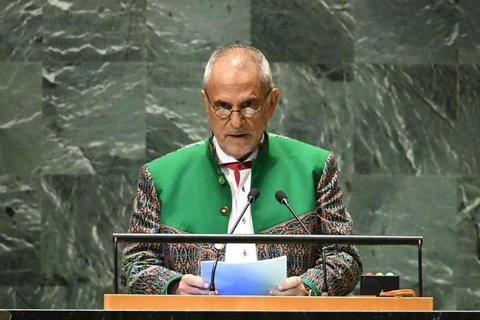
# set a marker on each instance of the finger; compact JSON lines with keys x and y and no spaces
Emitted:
{"x":194,"y":285}
{"x":290,"y":283}
{"x":194,"y":281}
{"x":186,"y":290}
{"x":290,"y":292}
{"x":292,"y":286}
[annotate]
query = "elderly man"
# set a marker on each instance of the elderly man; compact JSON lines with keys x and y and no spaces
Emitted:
{"x":202,"y":188}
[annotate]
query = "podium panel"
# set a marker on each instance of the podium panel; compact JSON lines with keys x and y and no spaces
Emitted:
{"x":264,"y":303}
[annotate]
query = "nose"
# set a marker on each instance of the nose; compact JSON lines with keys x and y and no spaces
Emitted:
{"x":236,"y":119}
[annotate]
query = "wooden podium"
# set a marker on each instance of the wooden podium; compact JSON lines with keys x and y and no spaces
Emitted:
{"x":264,"y":303}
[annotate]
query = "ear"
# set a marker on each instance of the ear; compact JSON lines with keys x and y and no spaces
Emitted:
{"x":206,"y":106}
{"x":272,"y":103}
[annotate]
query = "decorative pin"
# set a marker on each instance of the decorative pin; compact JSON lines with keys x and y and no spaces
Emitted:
{"x":244,"y":253}
{"x":244,"y":220}
{"x":224,"y":210}
{"x":221,"y":180}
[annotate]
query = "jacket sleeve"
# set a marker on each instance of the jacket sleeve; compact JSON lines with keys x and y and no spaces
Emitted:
{"x":143,"y":264}
{"x":343,"y":262}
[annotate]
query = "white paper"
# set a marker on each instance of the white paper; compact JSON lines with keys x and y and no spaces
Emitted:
{"x":246,"y":278}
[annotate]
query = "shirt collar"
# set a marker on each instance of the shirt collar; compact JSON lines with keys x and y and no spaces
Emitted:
{"x":225,"y":158}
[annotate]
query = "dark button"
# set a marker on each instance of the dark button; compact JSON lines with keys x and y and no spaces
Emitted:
{"x":224,"y":210}
{"x":221,"y":180}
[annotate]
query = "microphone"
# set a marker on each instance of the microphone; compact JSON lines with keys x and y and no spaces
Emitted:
{"x":282,"y":199}
{"x":251,"y":197}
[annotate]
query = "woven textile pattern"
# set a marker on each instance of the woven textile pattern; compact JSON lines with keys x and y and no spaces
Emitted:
{"x":148,"y":268}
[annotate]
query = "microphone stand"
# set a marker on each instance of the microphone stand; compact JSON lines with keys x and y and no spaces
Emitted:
{"x":252,"y":196}
{"x":282,"y":198}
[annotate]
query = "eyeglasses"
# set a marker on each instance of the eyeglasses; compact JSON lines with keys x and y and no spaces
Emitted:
{"x":222,"y":109}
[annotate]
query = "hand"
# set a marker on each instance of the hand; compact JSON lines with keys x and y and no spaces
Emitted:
{"x":194,"y":285}
{"x":292,"y":286}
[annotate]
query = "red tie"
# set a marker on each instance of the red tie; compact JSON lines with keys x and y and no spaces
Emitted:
{"x":237,"y":166}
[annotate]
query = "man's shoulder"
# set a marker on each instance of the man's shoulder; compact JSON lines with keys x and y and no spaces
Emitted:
{"x":280,"y":141}
{"x":184,"y":154}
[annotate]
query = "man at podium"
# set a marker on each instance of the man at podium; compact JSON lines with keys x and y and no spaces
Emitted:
{"x":203,"y":187}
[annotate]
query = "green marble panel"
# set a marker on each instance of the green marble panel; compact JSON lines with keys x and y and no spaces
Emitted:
{"x":52,"y":297}
{"x":410,"y":120}
{"x":467,"y":277}
{"x":188,"y":31}
{"x":98,"y":30}
{"x":304,"y":31}
{"x":313,"y":107}
{"x":85,"y":120}
{"x":468,"y":132}
{"x":21,"y":30}
{"x":406,"y":31}
{"x":175,"y":114}
{"x":401,"y":205}
{"x":96,"y":117}
{"x":469,"y":42}
{"x":80,"y":214}
{"x":21,"y":123}
{"x":20,"y":215}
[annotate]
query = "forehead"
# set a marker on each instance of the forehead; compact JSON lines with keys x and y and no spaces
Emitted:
{"x":235,"y":74}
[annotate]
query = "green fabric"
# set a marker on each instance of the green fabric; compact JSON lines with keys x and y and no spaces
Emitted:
{"x":311,"y":285}
{"x":169,"y":282}
{"x":188,"y":184}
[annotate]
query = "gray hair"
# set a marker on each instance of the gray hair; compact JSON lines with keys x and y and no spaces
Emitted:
{"x":254,"y":54}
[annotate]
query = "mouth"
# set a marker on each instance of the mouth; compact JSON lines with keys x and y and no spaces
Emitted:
{"x":237,"y":136}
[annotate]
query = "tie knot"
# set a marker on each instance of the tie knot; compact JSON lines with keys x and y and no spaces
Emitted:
{"x":236,"y":166}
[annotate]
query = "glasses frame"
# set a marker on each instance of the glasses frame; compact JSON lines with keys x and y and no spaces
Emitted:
{"x":239,"y":111}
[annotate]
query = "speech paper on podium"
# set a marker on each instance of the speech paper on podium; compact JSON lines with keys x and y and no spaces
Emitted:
{"x":246,"y":278}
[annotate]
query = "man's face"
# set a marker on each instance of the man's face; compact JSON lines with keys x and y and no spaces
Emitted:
{"x":236,"y":88}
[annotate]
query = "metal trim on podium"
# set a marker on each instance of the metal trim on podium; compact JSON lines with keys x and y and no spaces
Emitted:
{"x":261,"y":238}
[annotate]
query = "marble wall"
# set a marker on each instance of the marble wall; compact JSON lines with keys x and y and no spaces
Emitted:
{"x":90,"y":90}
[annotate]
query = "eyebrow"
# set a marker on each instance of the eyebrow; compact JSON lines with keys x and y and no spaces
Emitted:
{"x":252,"y":99}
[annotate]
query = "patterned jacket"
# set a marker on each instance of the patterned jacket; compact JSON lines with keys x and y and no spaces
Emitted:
{"x":169,"y":186}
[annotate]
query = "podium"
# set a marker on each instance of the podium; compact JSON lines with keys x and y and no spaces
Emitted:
{"x":264,"y":303}
{"x":269,"y":304}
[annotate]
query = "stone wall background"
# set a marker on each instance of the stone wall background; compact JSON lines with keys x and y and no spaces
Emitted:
{"x":90,"y":90}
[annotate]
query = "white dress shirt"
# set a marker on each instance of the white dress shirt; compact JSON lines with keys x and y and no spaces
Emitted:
{"x":238,"y":252}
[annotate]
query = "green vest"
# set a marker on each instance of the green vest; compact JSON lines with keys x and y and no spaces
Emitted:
{"x":193,"y":191}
